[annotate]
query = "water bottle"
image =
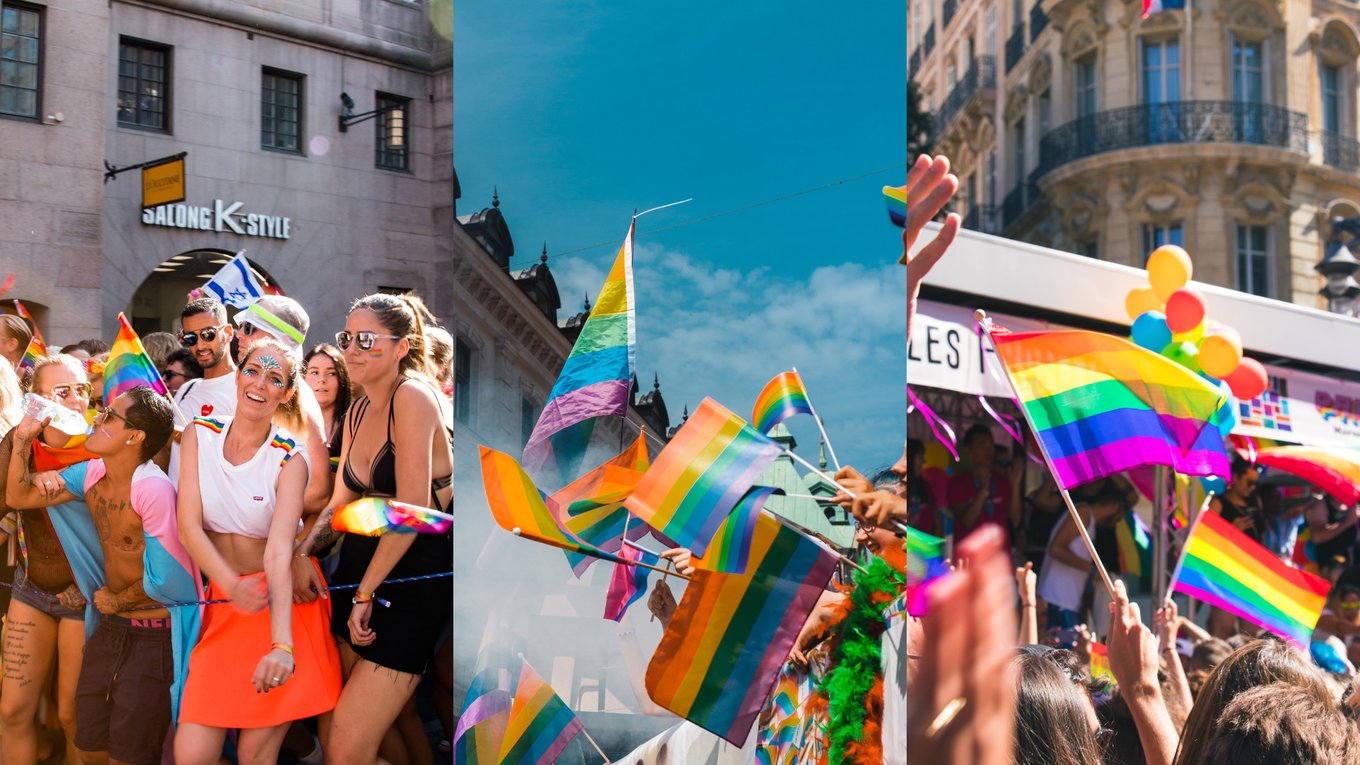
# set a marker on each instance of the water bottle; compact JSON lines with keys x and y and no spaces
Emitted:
{"x":63,"y":419}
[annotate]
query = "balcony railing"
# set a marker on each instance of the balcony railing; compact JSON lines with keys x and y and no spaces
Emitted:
{"x":1018,"y":202}
{"x":1015,"y":46}
{"x":984,"y":218}
{"x":1173,"y":122}
{"x":950,"y":7}
{"x":1340,"y":151}
{"x":928,"y":44}
{"x":1037,"y":21}
{"x":981,"y":75}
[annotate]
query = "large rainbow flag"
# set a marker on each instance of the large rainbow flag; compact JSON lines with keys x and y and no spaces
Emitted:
{"x":731,"y":546}
{"x":128,"y":366}
{"x":1335,"y":469}
{"x":721,"y":653}
{"x":781,"y":398}
{"x":1228,"y":569}
{"x":486,"y":710}
{"x":37,"y":347}
{"x":596,"y":380}
{"x":520,"y":508}
{"x":591,"y":507}
{"x":541,"y":724}
{"x":1102,"y":405}
{"x":701,"y":475}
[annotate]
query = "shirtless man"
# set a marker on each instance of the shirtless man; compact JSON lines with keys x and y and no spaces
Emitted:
{"x":123,"y":695}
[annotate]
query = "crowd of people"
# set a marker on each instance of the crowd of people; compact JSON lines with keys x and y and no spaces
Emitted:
{"x":987,"y":683}
{"x":178,"y":590}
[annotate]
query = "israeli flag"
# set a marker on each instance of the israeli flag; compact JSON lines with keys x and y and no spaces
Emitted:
{"x":235,"y":285}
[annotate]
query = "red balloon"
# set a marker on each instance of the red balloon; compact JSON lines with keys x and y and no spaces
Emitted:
{"x":1249,"y":380}
{"x":1184,"y":310}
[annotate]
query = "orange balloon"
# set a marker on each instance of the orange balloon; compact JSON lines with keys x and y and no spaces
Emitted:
{"x":1169,"y":269}
{"x":1220,"y":354}
{"x":1141,"y":300}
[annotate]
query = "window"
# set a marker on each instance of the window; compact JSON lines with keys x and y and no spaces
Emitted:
{"x":1018,"y":152}
{"x":393,"y":133}
{"x":1247,"y":74}
{"x":1085,"y":76}
{"x":1162,"y":89}
{"x":462,"y":381}
{"x":1156,"y":236}
{"x":989,"y":32}
{"x":1253,"y":260}
{"x":1331,"y":98}
{"x":143,"y":85}
{"x":528,"y":417}
{"x":20,"y":60}
{"x":281,"y":111}
{"x":1045,"y":113}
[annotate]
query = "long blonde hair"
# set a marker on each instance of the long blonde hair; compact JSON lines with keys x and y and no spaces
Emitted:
{"x":10,"y":394}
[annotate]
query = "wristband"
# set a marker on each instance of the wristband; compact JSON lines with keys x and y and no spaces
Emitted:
{"x":361,"y":597}
{"x":301,"y":555}
{"x":288,"y":649}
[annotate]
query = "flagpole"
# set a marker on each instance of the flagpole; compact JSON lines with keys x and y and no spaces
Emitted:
{"x":820,"y":426}
{"x":822,"y":475}
{"x":613,"y":558}
{"x":1175,"y":572}
{"x":586,"y":733}
{"x":981,"y":318}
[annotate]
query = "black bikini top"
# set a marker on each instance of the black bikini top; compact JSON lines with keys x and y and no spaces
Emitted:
{"x":382,"y":472}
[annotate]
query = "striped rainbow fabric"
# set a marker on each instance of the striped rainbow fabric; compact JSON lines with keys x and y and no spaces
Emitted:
{"x":1100,"y":663}
{"x":701,"y":475}
{"x":628,"y":583}
{"x":896,"y":197}
{"x":541,"y":724}
{"x":1134,"y":541}
{"x":731,"y":546}
{"x":780,"y":399}
{"x":486,"y":710}
{"x":597,"y":378}
{"x":37,"y":347}
{"x":925,"y":563}
{"x":128,"y":366}
{"x":1335,"y":470}
{"x":520,"y":508}
{"x":722,"y":651}
{"x":1102,"y":405}
{"x":591,"y":507}
{"x":1227,"y":569}
{"x":375,"y":516}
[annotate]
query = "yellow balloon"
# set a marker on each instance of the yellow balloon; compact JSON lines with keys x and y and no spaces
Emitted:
{"x":1168,"y":268}
{"x":1140,"y":301}
{"x":1196,"y":334}
{"x":1219,"y":354}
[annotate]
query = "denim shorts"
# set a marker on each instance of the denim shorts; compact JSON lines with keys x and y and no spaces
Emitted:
{"x":31,"y":595}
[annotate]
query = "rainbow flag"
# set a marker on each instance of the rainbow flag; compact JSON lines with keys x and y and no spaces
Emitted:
{"x":721,"y":653}
{"x":1102,"y":405}
{"x":1225,"y":568}
{"x":373,"y":517}
{"x":486,"y":710}
{"x":731,"y":546}
{"x":128,"y":366}
{"x":701,"y":475}
{"x":780,"y":399}
{"x":1100,"y":663}
{"x":591,"y":507}
{"x":896,"y":197}
{"x":520,"y":508}
{"x":596,"y":380}
{"x":37,"y":348}
{"x":1134,"y":540}
{"x":783,"y":719}
{"x":925,"y":563}
{"x":628,"y":583}
{"x":541,"y":724}
{"x":1334,"y":469}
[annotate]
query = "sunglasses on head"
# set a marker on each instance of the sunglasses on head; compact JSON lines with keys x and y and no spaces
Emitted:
{"x":63,"y":392}
{"x":363,"y":339}
{"x":207,"y":334}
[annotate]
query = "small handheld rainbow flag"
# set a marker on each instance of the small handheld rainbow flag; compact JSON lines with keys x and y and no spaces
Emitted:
{"x":591,"y":507}
{"x":628,"y":583}
{"x":1134,"y":540}
{"x":1100,"y":663}
{"x":925,"y":563}
{"x":520,"y":508}
{"x":37,"y":348}
{"x":780,"y":399}
{"x":1228,"y":569}
{"x":1102,"y":405}
{"x":541,"y":724}
{"x":486,"y":709}
{"x":128,"y":366}
{"x":731,"y":546}
{"x":896,"y":197}
{"x":373,"y":517}
{"x":700,"y":476}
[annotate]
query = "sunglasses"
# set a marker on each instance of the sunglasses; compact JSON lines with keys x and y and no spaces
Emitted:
{"x":249,"y":329}
{"x":107,"y":412}
{"x":207,"y":334}
{"x":82,"y":390}
{"x":363,"y":339}
{"x":170,"y":374}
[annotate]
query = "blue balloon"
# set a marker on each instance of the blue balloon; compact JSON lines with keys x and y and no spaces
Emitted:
{"x":1214,"y":484}
{"x":1150,"y":331}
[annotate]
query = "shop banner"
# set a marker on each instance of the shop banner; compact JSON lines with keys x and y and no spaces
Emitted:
{"x":948,"y":351}
{"x":1303,"y":408}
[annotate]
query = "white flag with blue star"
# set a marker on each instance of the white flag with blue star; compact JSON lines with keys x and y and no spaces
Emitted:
{"x":235,"y":285}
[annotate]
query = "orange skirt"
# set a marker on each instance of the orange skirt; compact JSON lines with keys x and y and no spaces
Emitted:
{"x":219,"y":692}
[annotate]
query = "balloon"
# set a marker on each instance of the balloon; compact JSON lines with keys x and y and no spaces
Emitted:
{"x":1184,"y":310}
{"x":1169,"y":268}
{"x":1220,"y":353}
{"x":1140,"y":301}
{"x":1183,"y":353}
{"x":1214,"y":484}
{"x":1249,"y":380}
{"x":1150,"y":331}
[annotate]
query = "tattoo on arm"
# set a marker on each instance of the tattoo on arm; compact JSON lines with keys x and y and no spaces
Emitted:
{"x":134,"y":595}
{"x":323,"y":534}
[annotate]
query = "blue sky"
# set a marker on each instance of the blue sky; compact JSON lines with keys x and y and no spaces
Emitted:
{"x":581,"y":112}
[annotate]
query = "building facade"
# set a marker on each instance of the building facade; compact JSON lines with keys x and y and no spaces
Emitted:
{"x":251,"y":93}
{"x":1228,"y":128}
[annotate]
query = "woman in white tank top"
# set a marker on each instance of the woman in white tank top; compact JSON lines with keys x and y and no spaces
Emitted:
{"x":1067,"y":565}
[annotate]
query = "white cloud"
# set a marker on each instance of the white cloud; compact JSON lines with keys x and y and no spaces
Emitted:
{"x":722,"y":332}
